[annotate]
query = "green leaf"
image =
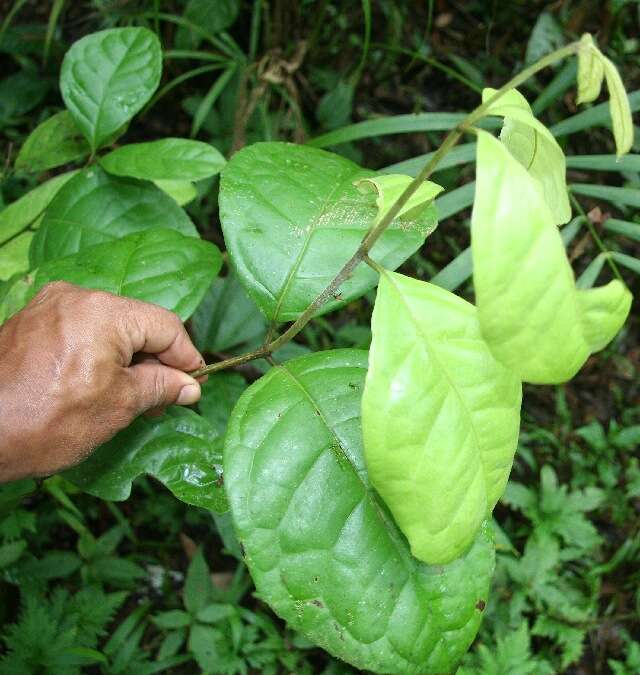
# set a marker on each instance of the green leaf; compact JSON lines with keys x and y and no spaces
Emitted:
{"x":181,"y":191}
{"x":167,"y":159}
{"x":226,"y":317}
{"x":617,"y":195}
{"x":590,"y":71}
{"x":597,"y":116}
{"x":209,"y":17}
{"x":15,"y":296}
{"x":292,"y":217}
{"x":219,"y":395}
{"x":55,"y":142}
{"x":180,"y":449}
{"x":604,"y":162}
{"x":107,"y":77}
{"x":320,"y":545}
{"x":174,"y":618}
{"x":95,"y":207}
{"x":455,"y":201}
{"x":159,"y":266}
{"x":533,"y":145}
{"x":198,"y":587}
{"x":20,"y":214}
{"x":546,"y":36}
{"x":439,"y":442}
{"x":534,"y":319}
{"x":14,"y":256}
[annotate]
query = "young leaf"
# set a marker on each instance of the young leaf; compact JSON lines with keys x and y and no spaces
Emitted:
{"x":590,"y":71}
{"x":180,"y":449}
{"x":440,"y":417}
{"x":95,"y":207}
{"x":534,"y":319}
{"x":21,"y":213}
{"x":167,"y":159}
{"x":55,"y":142}
{"x":159,"y":265}
{"x":533,"y":145}
{"x":292,"y":217}
{"x":107,"y":77}
{"x":320,"y":545}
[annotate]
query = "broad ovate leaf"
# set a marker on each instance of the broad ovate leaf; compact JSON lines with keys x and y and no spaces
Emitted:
{"x":95,"y":207}
{"x":55,"y":142}
{"x":167,"y":159}
{"x":107,"y":77}
{"x":23,"y":212}
{"x":321,"y":546}
{"x":440,"y":417}
{"x":292,"y":217}
{"x":180,"y":449}
{"x":534,"y":146}
{"x":532,"y":315}
{"x":160,"y":266}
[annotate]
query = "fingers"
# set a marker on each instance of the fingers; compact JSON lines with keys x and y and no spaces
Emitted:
{"x":156,"y":386}
{"x":157,"y":331}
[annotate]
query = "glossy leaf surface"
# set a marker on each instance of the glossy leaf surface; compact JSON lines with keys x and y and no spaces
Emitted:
{"x":160,"y":266}
{"x":55,"y":142}
{"x":166,"y":159}
{"x":95,"y":207}
{"x":321,"y":547}
{"x":532,"y":315}
{"x":180,"y":449}
{"x":440,"y":417}
{"x":107,"y":77}
{"x":534,"y":146}
{"x":292,"y":217}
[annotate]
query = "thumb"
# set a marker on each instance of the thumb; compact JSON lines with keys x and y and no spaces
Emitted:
{"x":157,"y":386}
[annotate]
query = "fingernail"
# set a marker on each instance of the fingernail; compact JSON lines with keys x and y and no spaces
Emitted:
{"x":189,"y":394}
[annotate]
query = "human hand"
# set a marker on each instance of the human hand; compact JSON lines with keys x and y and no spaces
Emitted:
{"x":76,"y":367}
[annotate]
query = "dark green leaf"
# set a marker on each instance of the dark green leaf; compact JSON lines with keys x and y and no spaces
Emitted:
{"x":210,"y":17}
{"x":107,"y":77}
{"x":198,"y":587}
{"x":180,"y":449}
{"x":95,"y":207}
{"x":292,"y":217}
{"x":174,"y":618}
{"x":321,"y":547}
{"x":335,"y":106}
{"x":20,"y":93}
{"x":219,"y":395}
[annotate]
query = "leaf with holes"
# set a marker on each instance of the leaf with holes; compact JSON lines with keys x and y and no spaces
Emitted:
{"x":532,"y":315}
{"x":160,"y":266}
{"x":440,"y":417}
{"x":292,"y":217}
{"x":321,"y":546}
{"x":180,"y":449}
{"x":95,"y":207}
{"x":107,"y":77}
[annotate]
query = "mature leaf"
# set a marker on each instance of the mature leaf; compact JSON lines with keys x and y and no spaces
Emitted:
{"x":167,"y":159}
{"x":21,"y":213}
{"x":440,"y":417}
{"x":534,"y":146}
{"x":292,"y":217}
{"x":320,"y":545}
{"x":95,"y":207}
{"x":534,"y":319}
{"x":208,"y":17}
{"x":20,"y":93}
{"x":107,"y":77}
{"x":181,"y":191}
{"x":180,"y":449}
{"x":159,"y":266}
{"x":14,"y":256}
{"x":226,"y":317}
{"x":55,"y":142}
{"x":219,"y":395}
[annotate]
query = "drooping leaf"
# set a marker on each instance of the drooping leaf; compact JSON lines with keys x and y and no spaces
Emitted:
{"x":55,"y":142}
{"x":95,"y":207}
{"x":14,"y":256}
{"x":534,"y":319}
{"x":534,"y":146}
{"x":23,"y":212}
{"x":180,"y":449}
{"x":590,"y":71}
{"x":320,"y":545}
{"x":226,"y":317}
{"x":160,"y":266}
{"x":167,"y":159}
{"x":440,"y":417}
{"x":107,"y":77}
{"x":219,"y":395}
{"x":292,"y":217}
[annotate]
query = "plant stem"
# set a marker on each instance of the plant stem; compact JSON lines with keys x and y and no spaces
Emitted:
{"x":375,"y":233}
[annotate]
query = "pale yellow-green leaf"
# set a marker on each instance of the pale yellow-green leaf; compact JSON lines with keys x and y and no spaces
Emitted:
{"x":590,"y":70}
{"x":533,"y":317}
{"x":621,"y":119}
{"x":181,"y":191}
{"x":534,"y":146}
{"x":389,"y":187}
{"x":440,"y":417}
